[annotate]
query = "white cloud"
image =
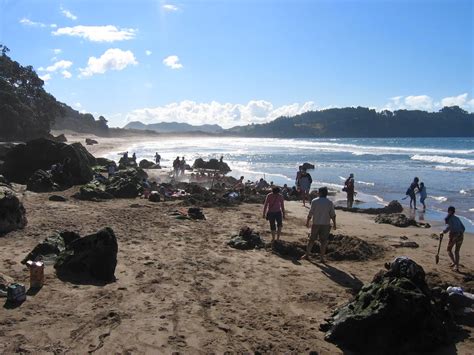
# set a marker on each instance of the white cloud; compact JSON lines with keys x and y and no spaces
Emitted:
{"x":27,"y":22}
{"x":68,"y":14}
{"x":57,"y":51}
{"x":66,"y":74}
{"x":148,"y":52}
{"x":112,"y":59}
{"x":107,"y":33}
{"x":225,"y":114}
{"x":172,"y":61}
{"x":53,"y":25}
{"x":62,"y":64}
{"x":460,"y":100}
{"x":170,"y":7}
{"x":78,"y":105}
{"x":45,"y":77}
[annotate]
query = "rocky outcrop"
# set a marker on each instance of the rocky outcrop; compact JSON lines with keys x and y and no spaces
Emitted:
{"x":41,"y":181}
{"x":212,"y":164}
{"x":394,"y":314}
{"x":399,"y":220}
{"x":12,"y":212}
{"x":127,"y":163}
{"x":246,"y":239}
{"x":393,"y":207}
{"x":146,"y":164}
{"x":51,"y":247}
{"x":126,"y":184}
{"x":93,"y":191}
{"x":94,"y":255}
{"x":24,"y":159}
{"x":61,"y":138}
{"x":91,"y":141}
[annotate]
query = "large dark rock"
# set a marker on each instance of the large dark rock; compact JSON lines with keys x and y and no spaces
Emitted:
{"x":126,"y":163}
{"x":212,"y":164}
{"x":61,"y":138}
{"x":393,"y":207}
{"x":399,"y":220}
{"x":41,"y":181}
{"x":126,"y":184}
{"x":24,"y":159}
{"x":246,"y":239}
{"x":146,"y":164}
{"x":105,"y":162}
{"x":93,"y":191}
{"x":94,"y":255}
{"x":395,"y":314}
{"x":49,"y":249}
{"x":91,"y":141}
{"x":12,"y":212}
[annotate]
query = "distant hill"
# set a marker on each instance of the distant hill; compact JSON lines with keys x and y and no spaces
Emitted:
{"x":364,"y":122}
{"x":80,"y":122}
{"x":174,"y":127}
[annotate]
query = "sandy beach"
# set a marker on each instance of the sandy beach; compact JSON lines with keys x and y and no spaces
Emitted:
{"x":181,"y":288}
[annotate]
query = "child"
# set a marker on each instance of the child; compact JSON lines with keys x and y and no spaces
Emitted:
{"x":423,"y":195}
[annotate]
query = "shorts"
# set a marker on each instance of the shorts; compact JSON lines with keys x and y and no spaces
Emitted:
{"x":455,"y":239}
{"x":275,"y":217}
{"x":321,"y":231}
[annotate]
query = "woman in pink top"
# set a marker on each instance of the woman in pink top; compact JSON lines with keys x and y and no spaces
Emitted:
{"x":274,"y":211}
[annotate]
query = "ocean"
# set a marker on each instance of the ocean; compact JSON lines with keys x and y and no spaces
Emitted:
{"x":383,"y":167}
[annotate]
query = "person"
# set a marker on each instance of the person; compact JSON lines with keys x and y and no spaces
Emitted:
{"x":176,"y":167}
{"x":182,"y":166}
{"x":298,"y":175}
{"x":285,"y":191}
{"x":456,"y":236}
{"x":221,"y":160}
{"x":305,"y":181}
{"x":134,"y":157}
{"x":125,"y":156}
{"x":349,"y":188}
{"x":261,"y":184}
{"x":157,"y":158}
{"x":146,"y":188}
{"x":423,"y":195}
{"x":321,"y":212}
{"x":411,"y":192}
{"x":240,"y":185}
{"x":274,"y":211}
{"x":111,"y":170}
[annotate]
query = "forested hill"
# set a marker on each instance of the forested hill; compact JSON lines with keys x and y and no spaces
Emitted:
{"x":27,"y":111}
{"x":363,"y":122}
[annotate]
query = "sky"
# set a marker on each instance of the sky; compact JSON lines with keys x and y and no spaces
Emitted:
{"x":235,"y":62}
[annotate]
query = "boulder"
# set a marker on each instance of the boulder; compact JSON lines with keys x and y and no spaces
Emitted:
{"x":57,"y":198}
{"x":393,"y":207}
{"x":394,"y":314}
{"x":146,"y":164}
{"x":126,"y":163}
{"x":246,"y":239}
{"x":212,"y":164}
{"x":91,"y":141}
{"x":24,"y":159}
{"x":41,"y":181}
{"x":93,"y":191}
{"x":94,"y":255}
{"x":126,"y":184}
{"x":12,"y":212}
{"x":61,"y":138}
{"x":308,"y":166}
{"x":154,"y":196}
{"x":49,"y":249}
{"x":104,"y":162}
{"x":399,"y":220}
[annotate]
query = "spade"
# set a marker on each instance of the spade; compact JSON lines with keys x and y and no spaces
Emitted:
{"x":439,"y":247}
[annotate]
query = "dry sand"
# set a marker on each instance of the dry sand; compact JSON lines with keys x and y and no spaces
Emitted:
{"x":180,"y":288}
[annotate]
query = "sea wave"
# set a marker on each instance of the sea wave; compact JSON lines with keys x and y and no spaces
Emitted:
{"x":359,"y":182}
{"x":443,"y":159}
{"x":439,"y":198}
{"x":451,"y":168}
{"x":471,"y":210}
{"x":466,"y":192}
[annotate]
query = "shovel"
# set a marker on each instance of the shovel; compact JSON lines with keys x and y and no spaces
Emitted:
{"x":439,"y":247}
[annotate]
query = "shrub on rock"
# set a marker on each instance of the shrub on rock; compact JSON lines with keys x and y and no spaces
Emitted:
{"x":41,"y":181}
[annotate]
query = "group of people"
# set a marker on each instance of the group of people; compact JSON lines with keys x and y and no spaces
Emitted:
{"x":417,"y":187}
{"x":179,"y":166}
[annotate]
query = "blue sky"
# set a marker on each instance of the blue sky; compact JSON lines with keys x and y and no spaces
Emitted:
{"x":234,"y":62}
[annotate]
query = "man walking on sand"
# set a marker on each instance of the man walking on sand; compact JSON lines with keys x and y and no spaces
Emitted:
{"x":321,"y":212}
{"x":456,"y":236}
{"x":274,"y":211}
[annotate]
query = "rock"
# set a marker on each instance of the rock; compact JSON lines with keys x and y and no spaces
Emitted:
{"x":196,"y":213}
{"x":247,"y":239}
{"x":5,"y":147}
{"x":393,"y":207}
{"x":398,"y":220}
{"x":104,"y":162}
{"x":51,"y":247}
{"x":395,"y":313}
{"x":308,"y":166}
{"x":154,"y":196}
{"x":126,"y":163}
{"x":212,"y":164}
{"x":91,"y":141}
{"x":94,"y":255}
{"x":126,"y":184}
{"x":24,"y":159}
{"x":61,"y":138}
{"x":406,"y":245}
{"x":12,"y":212}
{"x":146,"y":164}
{"x":93,"y":191}
{"x":3,"y":180}
{"x":57,"y":198}
{"x":41,"y":181}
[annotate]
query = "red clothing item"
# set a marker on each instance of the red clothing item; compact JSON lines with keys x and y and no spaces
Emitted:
{"x":274,"y":203}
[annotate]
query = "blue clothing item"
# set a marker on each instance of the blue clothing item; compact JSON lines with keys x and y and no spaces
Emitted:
{"x":423,"y":193}
{"x":454,"y":225}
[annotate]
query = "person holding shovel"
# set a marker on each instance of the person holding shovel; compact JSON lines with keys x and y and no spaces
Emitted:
{"x":456,"y":236}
